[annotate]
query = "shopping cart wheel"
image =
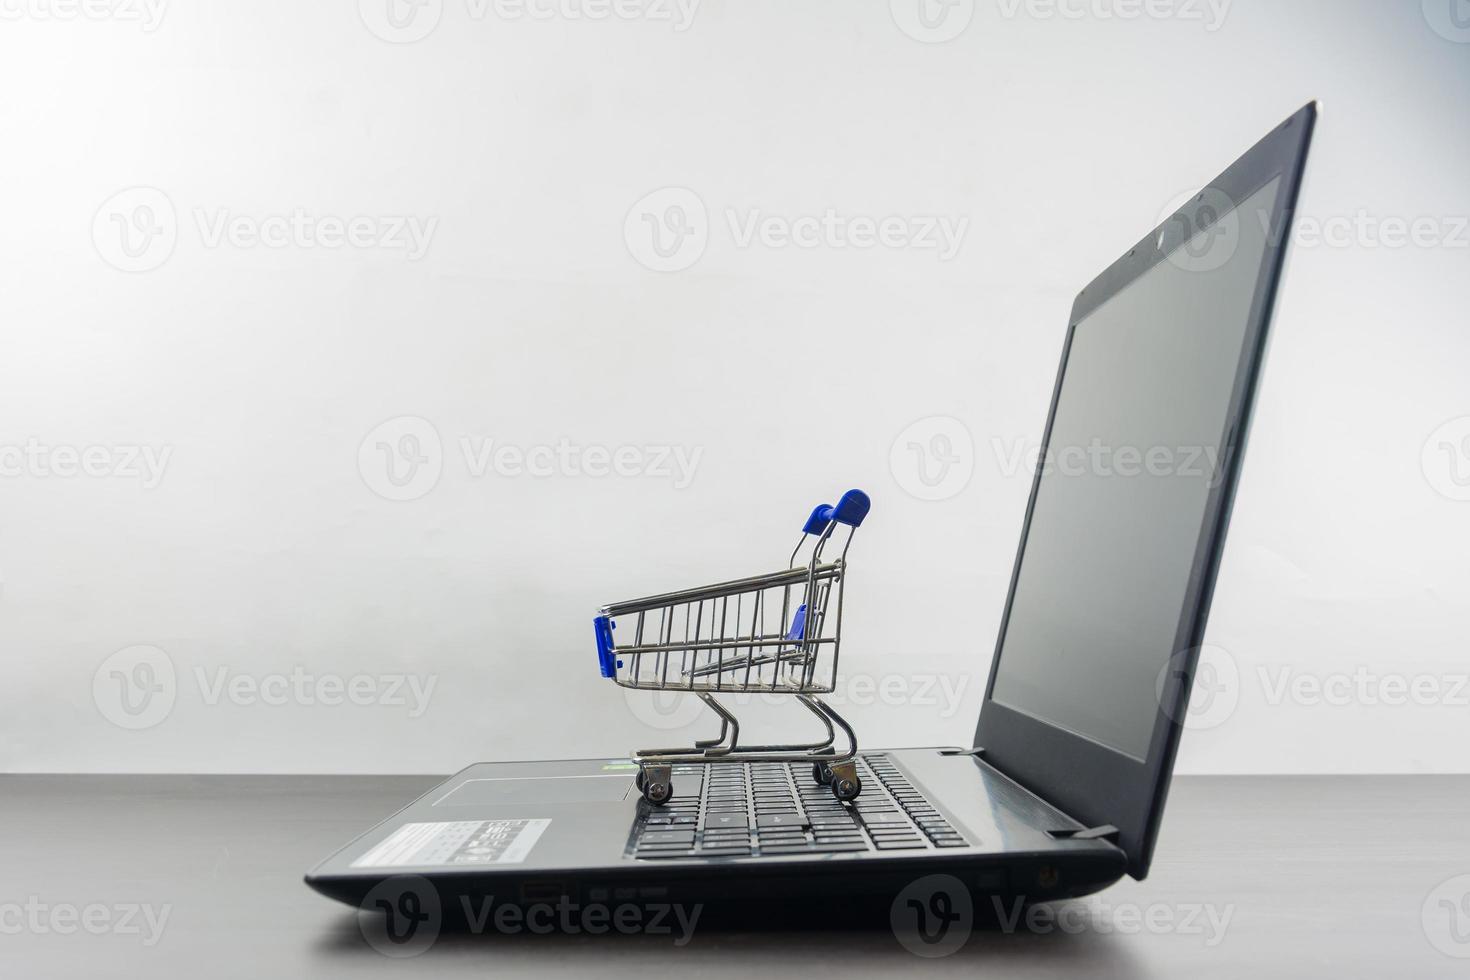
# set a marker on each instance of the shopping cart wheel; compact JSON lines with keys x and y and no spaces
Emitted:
{"x":845,"y":782}
{"x":658,"y":784}
{"x":822,"y":773}
{"x":638,"y":779}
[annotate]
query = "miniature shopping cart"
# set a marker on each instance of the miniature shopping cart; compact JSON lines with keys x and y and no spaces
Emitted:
{"x":776,"y":633}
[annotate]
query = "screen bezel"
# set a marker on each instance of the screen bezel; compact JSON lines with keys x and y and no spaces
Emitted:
{"x":1096,"y":784}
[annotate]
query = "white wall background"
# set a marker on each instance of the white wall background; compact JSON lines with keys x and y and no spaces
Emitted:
{"x":263,"y":548}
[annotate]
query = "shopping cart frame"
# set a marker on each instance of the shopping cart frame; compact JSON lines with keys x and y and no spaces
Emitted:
{"x":804,"y":654}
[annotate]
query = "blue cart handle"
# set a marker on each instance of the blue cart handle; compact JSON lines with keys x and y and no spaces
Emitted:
{"x":852,"y":508}
{"x":817,"y":523}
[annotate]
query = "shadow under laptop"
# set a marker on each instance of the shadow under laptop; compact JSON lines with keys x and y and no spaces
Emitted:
{"x":792,"y":935}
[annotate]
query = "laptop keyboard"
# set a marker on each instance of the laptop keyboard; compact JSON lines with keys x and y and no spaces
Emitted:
{"x":756,"y":809}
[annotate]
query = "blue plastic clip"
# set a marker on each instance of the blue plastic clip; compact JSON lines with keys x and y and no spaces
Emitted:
{"x":798,"y":623}
{"x":606,"y":662}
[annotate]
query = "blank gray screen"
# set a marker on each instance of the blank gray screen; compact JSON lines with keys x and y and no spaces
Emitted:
{"x":1134,"y":451}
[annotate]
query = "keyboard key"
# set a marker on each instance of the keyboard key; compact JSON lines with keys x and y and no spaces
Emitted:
{"x":898,"y":844}
{"x":774,"y":820}
{"x":725,"y":821}
{"x":685,"y":836}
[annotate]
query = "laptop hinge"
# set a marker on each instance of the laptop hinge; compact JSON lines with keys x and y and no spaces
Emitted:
{"x":975,"y":753}
{"x":1105,"y":832}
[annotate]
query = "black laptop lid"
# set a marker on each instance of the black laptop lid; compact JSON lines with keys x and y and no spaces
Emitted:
{"x":1127,"y":516}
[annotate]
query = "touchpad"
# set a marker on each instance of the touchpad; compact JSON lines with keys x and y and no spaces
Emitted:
{"x":539,"y":789}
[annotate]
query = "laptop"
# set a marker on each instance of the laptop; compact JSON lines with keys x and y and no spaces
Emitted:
{"x":1062,"y":790}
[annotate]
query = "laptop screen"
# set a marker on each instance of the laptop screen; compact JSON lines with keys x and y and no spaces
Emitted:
{"x":1133,"y":452}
